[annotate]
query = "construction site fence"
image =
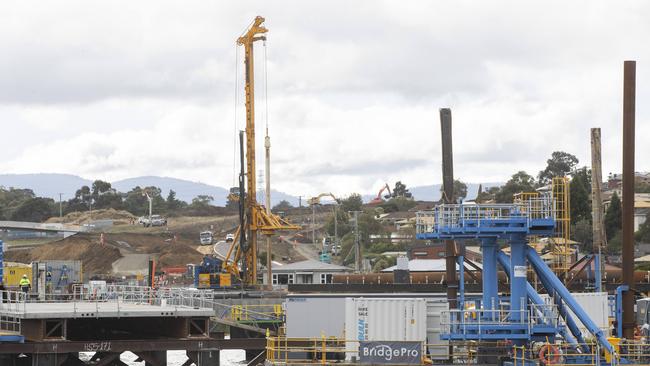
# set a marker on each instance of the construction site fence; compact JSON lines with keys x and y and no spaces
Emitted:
{"x":332,"y":350}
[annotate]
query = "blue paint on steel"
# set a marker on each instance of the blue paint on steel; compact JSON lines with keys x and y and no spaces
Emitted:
{"x":2,"y":264}
{"x":559,"y":288}
{"x":619,"y":308}
{"x":518,"y":280}
{"x":533,"y":296}
{"x":461,"y":288}
{"x":598,"y":274}
{"x":490,"y":280}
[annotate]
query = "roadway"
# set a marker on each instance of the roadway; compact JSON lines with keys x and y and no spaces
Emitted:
{"x":36,"y":226}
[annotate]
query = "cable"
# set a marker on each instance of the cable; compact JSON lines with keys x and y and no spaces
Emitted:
{"x":234,"y":145}
{"x":266,"y":88}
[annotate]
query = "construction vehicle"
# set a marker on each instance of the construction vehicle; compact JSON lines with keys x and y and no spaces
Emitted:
{"x":209,"y":274}
{"x":379,"y":200}
{"x":206,"y":237}
{"x":254,"y":218}
{"x":324,"y":255}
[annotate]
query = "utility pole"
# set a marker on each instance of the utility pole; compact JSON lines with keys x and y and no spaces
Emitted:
{"x":313,"y":224}
{"x":357,"y":246}
{"x":597,"y":205}
{"x":61,"y":206}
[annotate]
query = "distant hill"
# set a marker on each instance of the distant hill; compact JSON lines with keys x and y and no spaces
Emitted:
{"x":46,"y":185}
{"x":432,"y":193}
{"x":50,"y":185}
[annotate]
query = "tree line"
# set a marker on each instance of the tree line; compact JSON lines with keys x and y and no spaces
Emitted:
{"x":19,"y":204}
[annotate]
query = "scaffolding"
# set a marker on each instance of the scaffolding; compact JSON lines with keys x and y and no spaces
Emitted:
{"x":560,"y":242}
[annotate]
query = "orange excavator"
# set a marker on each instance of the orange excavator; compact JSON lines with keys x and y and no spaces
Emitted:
{"x":379,"y":200}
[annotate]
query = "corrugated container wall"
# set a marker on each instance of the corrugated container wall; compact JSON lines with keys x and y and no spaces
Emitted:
{"x":438,"y":349}
{"x":312,"y":317}
{"x":595,"y":304}
{"x":387,"y":319}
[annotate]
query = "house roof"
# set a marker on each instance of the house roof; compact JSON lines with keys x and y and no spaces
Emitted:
{"x":310,"y":265}
{"x":645,"y":258}
{"x":426,"y":265}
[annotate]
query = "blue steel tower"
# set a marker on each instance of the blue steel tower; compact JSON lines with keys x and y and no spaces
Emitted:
{"x":522,"y":316}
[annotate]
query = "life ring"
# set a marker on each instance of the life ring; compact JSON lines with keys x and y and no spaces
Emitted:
{"x":549,"y":354}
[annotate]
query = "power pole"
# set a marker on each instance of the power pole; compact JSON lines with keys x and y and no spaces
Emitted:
{"x":357,"y":245}
{"x":313,"y":224}
{"x":597,"y":205}
{"x":61,"y":206}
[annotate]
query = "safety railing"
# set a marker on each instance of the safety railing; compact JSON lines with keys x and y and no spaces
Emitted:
{"x":450,"y":216}
{"x":465,"y":323}
{"x":478,"y":321}
{"x":113,"y":300}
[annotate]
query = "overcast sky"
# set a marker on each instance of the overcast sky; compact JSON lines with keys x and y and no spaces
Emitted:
{"x":120,"y":89}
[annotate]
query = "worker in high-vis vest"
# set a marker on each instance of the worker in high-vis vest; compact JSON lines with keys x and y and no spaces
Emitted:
{"x":25,"y":284}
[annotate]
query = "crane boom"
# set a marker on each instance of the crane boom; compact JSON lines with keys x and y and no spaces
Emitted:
{"x":256,"y":218}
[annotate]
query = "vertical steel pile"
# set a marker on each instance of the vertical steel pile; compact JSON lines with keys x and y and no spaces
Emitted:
{"x":598,"y":228}
{"x":629,"y":95}
{"x":448,"y":194}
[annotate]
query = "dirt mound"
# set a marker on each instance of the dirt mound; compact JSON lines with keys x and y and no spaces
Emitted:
{"x":96,"y":259}
{"x":119,"y":217}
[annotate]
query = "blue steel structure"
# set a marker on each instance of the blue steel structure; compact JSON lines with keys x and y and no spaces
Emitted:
{"x":522,"y":317}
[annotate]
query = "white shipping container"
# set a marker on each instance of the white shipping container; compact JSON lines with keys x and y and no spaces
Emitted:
{"x":595,"y":304}
{"x":384,"y":319}
{"x":438,"y":349}
{"x":312,"y":317}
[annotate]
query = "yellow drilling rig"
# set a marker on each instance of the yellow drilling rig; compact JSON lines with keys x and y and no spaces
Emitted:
{"x":255,"y":218}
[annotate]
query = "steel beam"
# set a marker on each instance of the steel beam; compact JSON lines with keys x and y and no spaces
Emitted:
{"x":556,"y":285}
{"x":120,"y":346}
{"x":489,"y":248}
{"x":629,"y":95}
{"x":448,"y":193}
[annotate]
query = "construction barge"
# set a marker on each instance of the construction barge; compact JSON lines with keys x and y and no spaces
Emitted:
{"x":53,"y":330}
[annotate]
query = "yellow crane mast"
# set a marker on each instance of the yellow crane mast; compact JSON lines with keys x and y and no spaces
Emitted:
{"x":256,"y":219}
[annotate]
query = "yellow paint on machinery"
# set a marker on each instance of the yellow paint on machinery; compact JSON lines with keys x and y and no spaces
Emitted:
{"x":204,"y":280}
{"x":13,"y":274}
{"x":225,"y":280}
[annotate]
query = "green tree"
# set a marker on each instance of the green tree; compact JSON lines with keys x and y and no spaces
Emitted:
{"x":137,"y":203}
{"x":487,"y":195}
{"x":100,"y":187}
{"x":643,"y":235}
{"x":283,"y":205}
{"x":172,"y":202}
{"x":582,"y":232}
{"x":342,"y":225}
{"x":460,"y":190}
{"x":398,"y":204}
{"x":613,"y":217}
{"x":36,"y":209}
{"x":559,"y":165}
{"x":400,"y":190}
{"x":353,"y":202}
{"x":201,"y":200}
{"x":519,"y":182}
{"x":580,"y":192}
